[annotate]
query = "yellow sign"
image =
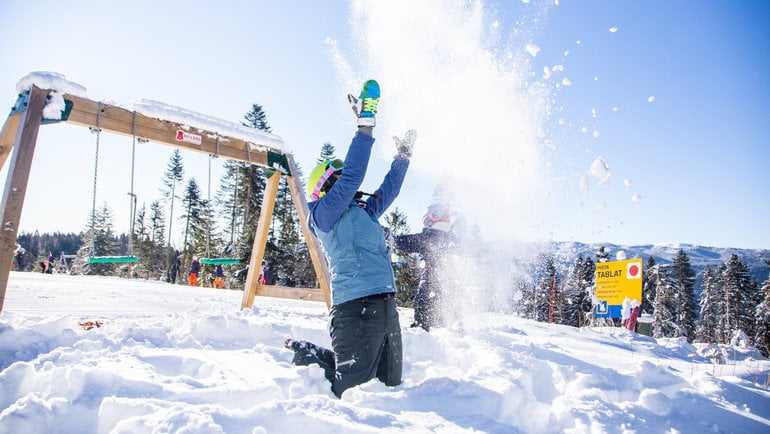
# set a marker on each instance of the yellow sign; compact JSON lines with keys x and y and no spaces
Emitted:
{"x":614,"y":282}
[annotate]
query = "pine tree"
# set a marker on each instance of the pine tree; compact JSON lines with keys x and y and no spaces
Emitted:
{"x":710,"y":314}
{"x":683,"y":280}
{"x":407,"y":265}
{"x":577,"y":297}
{"x":648,"y":287}
{"x":547,"y":285}
{"x":738,"y":313}
{"x":256,"y":118}
{"x":327,"y":153}
{"x":251,"y":190}
{"x":174,"y":174}
{"x":194,"y":220}
{"x":99,"y":241}
{"x":291,"y":256}
{"x":664,"y":321}
{"x":232,"y":208}
{"x":762,"y":320}
{"x":141,"y":242}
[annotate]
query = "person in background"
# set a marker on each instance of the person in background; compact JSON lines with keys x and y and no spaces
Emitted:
{"x":363,"y":320}
{"x":20,"y":254}
{"x":219,"y":275}
{"x":267,"y":273}
{"x":195,"y":269}
{"x":432,"y":244}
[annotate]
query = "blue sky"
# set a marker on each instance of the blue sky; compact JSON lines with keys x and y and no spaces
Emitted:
{"x":672,"y":95}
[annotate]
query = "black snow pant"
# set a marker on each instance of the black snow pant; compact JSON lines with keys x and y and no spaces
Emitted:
{"x":366,"y":342}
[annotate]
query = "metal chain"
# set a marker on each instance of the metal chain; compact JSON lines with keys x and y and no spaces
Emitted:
{"x":132,"y":198}
{"x":96,"y":171}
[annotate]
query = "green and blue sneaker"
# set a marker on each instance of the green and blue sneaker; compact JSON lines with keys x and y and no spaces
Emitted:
{"x":368,"y":99}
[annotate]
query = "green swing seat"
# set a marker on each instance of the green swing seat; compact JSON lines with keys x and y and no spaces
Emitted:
{"x":111,"y":259}
{"x":220,"y":261}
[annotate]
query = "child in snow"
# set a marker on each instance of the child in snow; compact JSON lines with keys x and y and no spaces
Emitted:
{"x":432,"y":245}
{"x":363,"y":321}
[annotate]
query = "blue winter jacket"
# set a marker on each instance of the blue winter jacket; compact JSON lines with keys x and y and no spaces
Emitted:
{"x":352,"y":238}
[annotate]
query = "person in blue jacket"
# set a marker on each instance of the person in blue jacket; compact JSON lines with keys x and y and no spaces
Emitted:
{"x":432,"y":244}
{"x":363,"y":320}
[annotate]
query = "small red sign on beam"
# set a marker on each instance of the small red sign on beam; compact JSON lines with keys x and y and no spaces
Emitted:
{"x":184,"y":136}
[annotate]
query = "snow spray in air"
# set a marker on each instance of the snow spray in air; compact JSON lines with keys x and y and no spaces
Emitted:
{"x":451,"y":71}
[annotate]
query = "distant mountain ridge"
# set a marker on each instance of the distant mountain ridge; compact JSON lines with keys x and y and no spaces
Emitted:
{"x":700,"y":256}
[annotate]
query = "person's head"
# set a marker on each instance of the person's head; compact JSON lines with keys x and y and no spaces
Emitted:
{"x":323,"y":177}
{"x":437,"y":216}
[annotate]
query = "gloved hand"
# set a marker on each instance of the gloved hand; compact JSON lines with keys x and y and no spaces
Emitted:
{"x":405,"y":146}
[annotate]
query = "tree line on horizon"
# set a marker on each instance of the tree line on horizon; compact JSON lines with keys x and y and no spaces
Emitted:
{"x":729,"y":308}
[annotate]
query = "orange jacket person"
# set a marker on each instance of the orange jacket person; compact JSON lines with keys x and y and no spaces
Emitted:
{"x":195,"y":268}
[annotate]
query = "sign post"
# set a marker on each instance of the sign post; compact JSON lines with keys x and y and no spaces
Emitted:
{"x":614,"y":282}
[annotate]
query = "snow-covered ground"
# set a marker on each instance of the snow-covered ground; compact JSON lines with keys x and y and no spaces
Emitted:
{"x":171,"y":358}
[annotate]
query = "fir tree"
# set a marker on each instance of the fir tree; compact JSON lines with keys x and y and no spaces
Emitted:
{"x":100,"y":241}
{"x":683,"y":280}
{"x":194,"y":219}
{"x":251,"y":189}
{"x":291,"y":256}
{"x":576,"y":295}
{"x":327,"y":153}
{"x":407,"y":265}
{"x":762,"y":320}
{"x":545,"y":290}
{"x":228,"y":200}
{"x":664,"y":321}
{"x":648,"y":287}
{"x":710,"y":314}
{"x":256,"y":118}
{"x":173,"y":175}
{"x":738,"y":313}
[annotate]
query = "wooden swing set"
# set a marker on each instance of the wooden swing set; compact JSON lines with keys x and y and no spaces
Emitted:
{"x":20,"y":133}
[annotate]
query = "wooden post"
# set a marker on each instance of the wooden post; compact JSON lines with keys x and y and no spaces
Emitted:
{"x":18,"y":176}
{"x":320,"y":265}
{"x":260,"y":240}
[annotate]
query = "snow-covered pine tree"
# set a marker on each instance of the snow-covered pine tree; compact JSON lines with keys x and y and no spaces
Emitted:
{"x":738,"y":313}
{"x":327,"y":153}
{"x":547,"y":282}
{"x":173,"y":175}
{"x":707,"y":328}
{"x":291,"y":256}
{"x":683,"y":279}
{"x":577,"y":300}
{"x":762,"y":320}
{"x":648,"y":286}
{"x":407,"y":265}
{"x":226,"y":199}
{"x":251,"y":189}
{"x":194,"y":221}
{"x":157,"y":238}
{"x":664,"y":320}
{"x":99,"y":240}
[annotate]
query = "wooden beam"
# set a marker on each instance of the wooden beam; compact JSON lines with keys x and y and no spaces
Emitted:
{"x":118,"y":120}
{"x":260,"y":240}
{"x":18,"y":176}
{"x":8,"y":136}
{"x":317,"y":256}
{"x":293,"y":293}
